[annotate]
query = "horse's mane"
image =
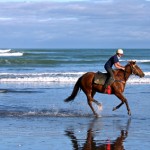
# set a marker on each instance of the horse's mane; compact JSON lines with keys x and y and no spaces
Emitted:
{"x":119,"y":72}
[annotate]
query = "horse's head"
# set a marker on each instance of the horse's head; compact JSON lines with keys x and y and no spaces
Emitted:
{"x":135,"y":69}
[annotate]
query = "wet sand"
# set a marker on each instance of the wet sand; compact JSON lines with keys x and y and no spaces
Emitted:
{"x":51,"y":124}
{"x":117,"y":132}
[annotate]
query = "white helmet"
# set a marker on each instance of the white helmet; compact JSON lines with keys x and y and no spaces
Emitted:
{"x":119,"y":51}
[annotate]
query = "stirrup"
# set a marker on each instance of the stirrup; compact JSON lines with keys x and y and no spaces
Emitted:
{"x":108,"y":90}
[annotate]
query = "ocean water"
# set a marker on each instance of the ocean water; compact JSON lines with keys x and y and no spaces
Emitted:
{"x":34,"y":116}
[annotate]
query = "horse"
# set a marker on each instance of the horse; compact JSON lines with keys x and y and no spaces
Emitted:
{"x":86,"y":84}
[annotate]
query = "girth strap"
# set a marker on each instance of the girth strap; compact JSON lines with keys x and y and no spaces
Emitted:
{"x":120,"y":81}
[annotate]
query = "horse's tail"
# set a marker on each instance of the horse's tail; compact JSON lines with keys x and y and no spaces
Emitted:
{"x":74,"y":92}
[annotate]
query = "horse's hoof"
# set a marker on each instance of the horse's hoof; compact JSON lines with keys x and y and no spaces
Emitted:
{"x":129,"y":113}
{"x":114,"y":108}
{"x":96,"y":115}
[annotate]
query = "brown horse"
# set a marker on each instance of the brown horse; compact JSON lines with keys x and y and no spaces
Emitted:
{"x":86,"y":84}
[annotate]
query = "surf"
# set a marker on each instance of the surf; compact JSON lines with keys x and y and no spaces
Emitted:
{"x":5,"y":50}
{"x":59,"y":77}
{"x":9,"y":52}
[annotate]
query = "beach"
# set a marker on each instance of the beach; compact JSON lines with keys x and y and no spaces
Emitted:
{"x":34,"y":115}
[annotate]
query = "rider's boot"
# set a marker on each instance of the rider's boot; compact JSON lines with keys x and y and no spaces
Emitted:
{"x":107,"y":88}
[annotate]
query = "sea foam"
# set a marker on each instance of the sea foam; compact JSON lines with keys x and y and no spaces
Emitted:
{"x":60,"y":77}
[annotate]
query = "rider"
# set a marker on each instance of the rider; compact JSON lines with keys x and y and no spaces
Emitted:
{"x":114,"y":60}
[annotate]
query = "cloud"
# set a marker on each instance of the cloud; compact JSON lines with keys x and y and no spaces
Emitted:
{"x":5,"y":19}
{"x":88,"y":21}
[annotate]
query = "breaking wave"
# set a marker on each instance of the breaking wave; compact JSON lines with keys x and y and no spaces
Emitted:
{"x":59,"y":77}
{"x":9,"y":52}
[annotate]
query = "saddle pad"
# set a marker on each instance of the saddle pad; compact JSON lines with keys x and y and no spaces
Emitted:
{"x":100,"y":78}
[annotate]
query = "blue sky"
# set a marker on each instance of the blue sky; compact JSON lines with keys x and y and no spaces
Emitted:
{"x":75,"y":24}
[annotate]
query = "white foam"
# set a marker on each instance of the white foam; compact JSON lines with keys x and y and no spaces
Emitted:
{"x":147,"y":73}
{"x":11,"y":54}
{"x":5,"y":50}
{"x":142,"y":60}
{"x":139,"y":81}
{"x":60,"y":77}
{"x":138,"y":60}
{"x":39,"y":79}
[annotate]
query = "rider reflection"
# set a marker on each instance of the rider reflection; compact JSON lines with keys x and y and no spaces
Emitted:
{"x":91,"y":144}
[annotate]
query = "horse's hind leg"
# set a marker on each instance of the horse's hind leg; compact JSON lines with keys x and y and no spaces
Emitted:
{"x":95,"y":101}
{"x":90,"y":100}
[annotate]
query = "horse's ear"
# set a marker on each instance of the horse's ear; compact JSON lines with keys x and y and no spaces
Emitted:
{"x":134,"y":62}
{"x":131,"y":62}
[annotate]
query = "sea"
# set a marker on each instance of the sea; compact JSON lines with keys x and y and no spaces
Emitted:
{"x":33,"y":114}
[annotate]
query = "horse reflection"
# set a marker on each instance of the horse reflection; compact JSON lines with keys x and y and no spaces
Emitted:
{"x":91,"y":144}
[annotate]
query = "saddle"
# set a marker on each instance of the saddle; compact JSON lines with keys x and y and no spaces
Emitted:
{"x":100,"y":78}
{"x":103,"y":78}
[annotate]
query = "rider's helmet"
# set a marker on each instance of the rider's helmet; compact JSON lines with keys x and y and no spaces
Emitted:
{"x":119,"y":51}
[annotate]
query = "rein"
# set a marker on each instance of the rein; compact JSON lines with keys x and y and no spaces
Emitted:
{"x":120,"y":81}
{"x":134,"y":69}
{"x":126,"y":72}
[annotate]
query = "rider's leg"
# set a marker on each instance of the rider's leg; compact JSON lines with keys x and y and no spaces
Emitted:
{"x":110,"y":79}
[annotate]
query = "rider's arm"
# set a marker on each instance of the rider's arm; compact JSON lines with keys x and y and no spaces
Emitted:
{"x":118,"y":66}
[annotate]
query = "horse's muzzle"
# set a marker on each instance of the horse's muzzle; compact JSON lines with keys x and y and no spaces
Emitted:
{"x":142,"y":75}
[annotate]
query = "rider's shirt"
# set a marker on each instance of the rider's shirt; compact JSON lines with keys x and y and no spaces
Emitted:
{"x":111,"y":61}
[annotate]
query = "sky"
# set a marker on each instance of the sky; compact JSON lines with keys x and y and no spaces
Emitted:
{"x":74,"y":23}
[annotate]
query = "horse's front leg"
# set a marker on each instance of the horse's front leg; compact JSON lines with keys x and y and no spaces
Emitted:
{"x":124,"y":100}
{"x":118,"y":106}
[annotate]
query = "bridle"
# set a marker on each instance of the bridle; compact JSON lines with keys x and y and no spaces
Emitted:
{"x":133,"y":70}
